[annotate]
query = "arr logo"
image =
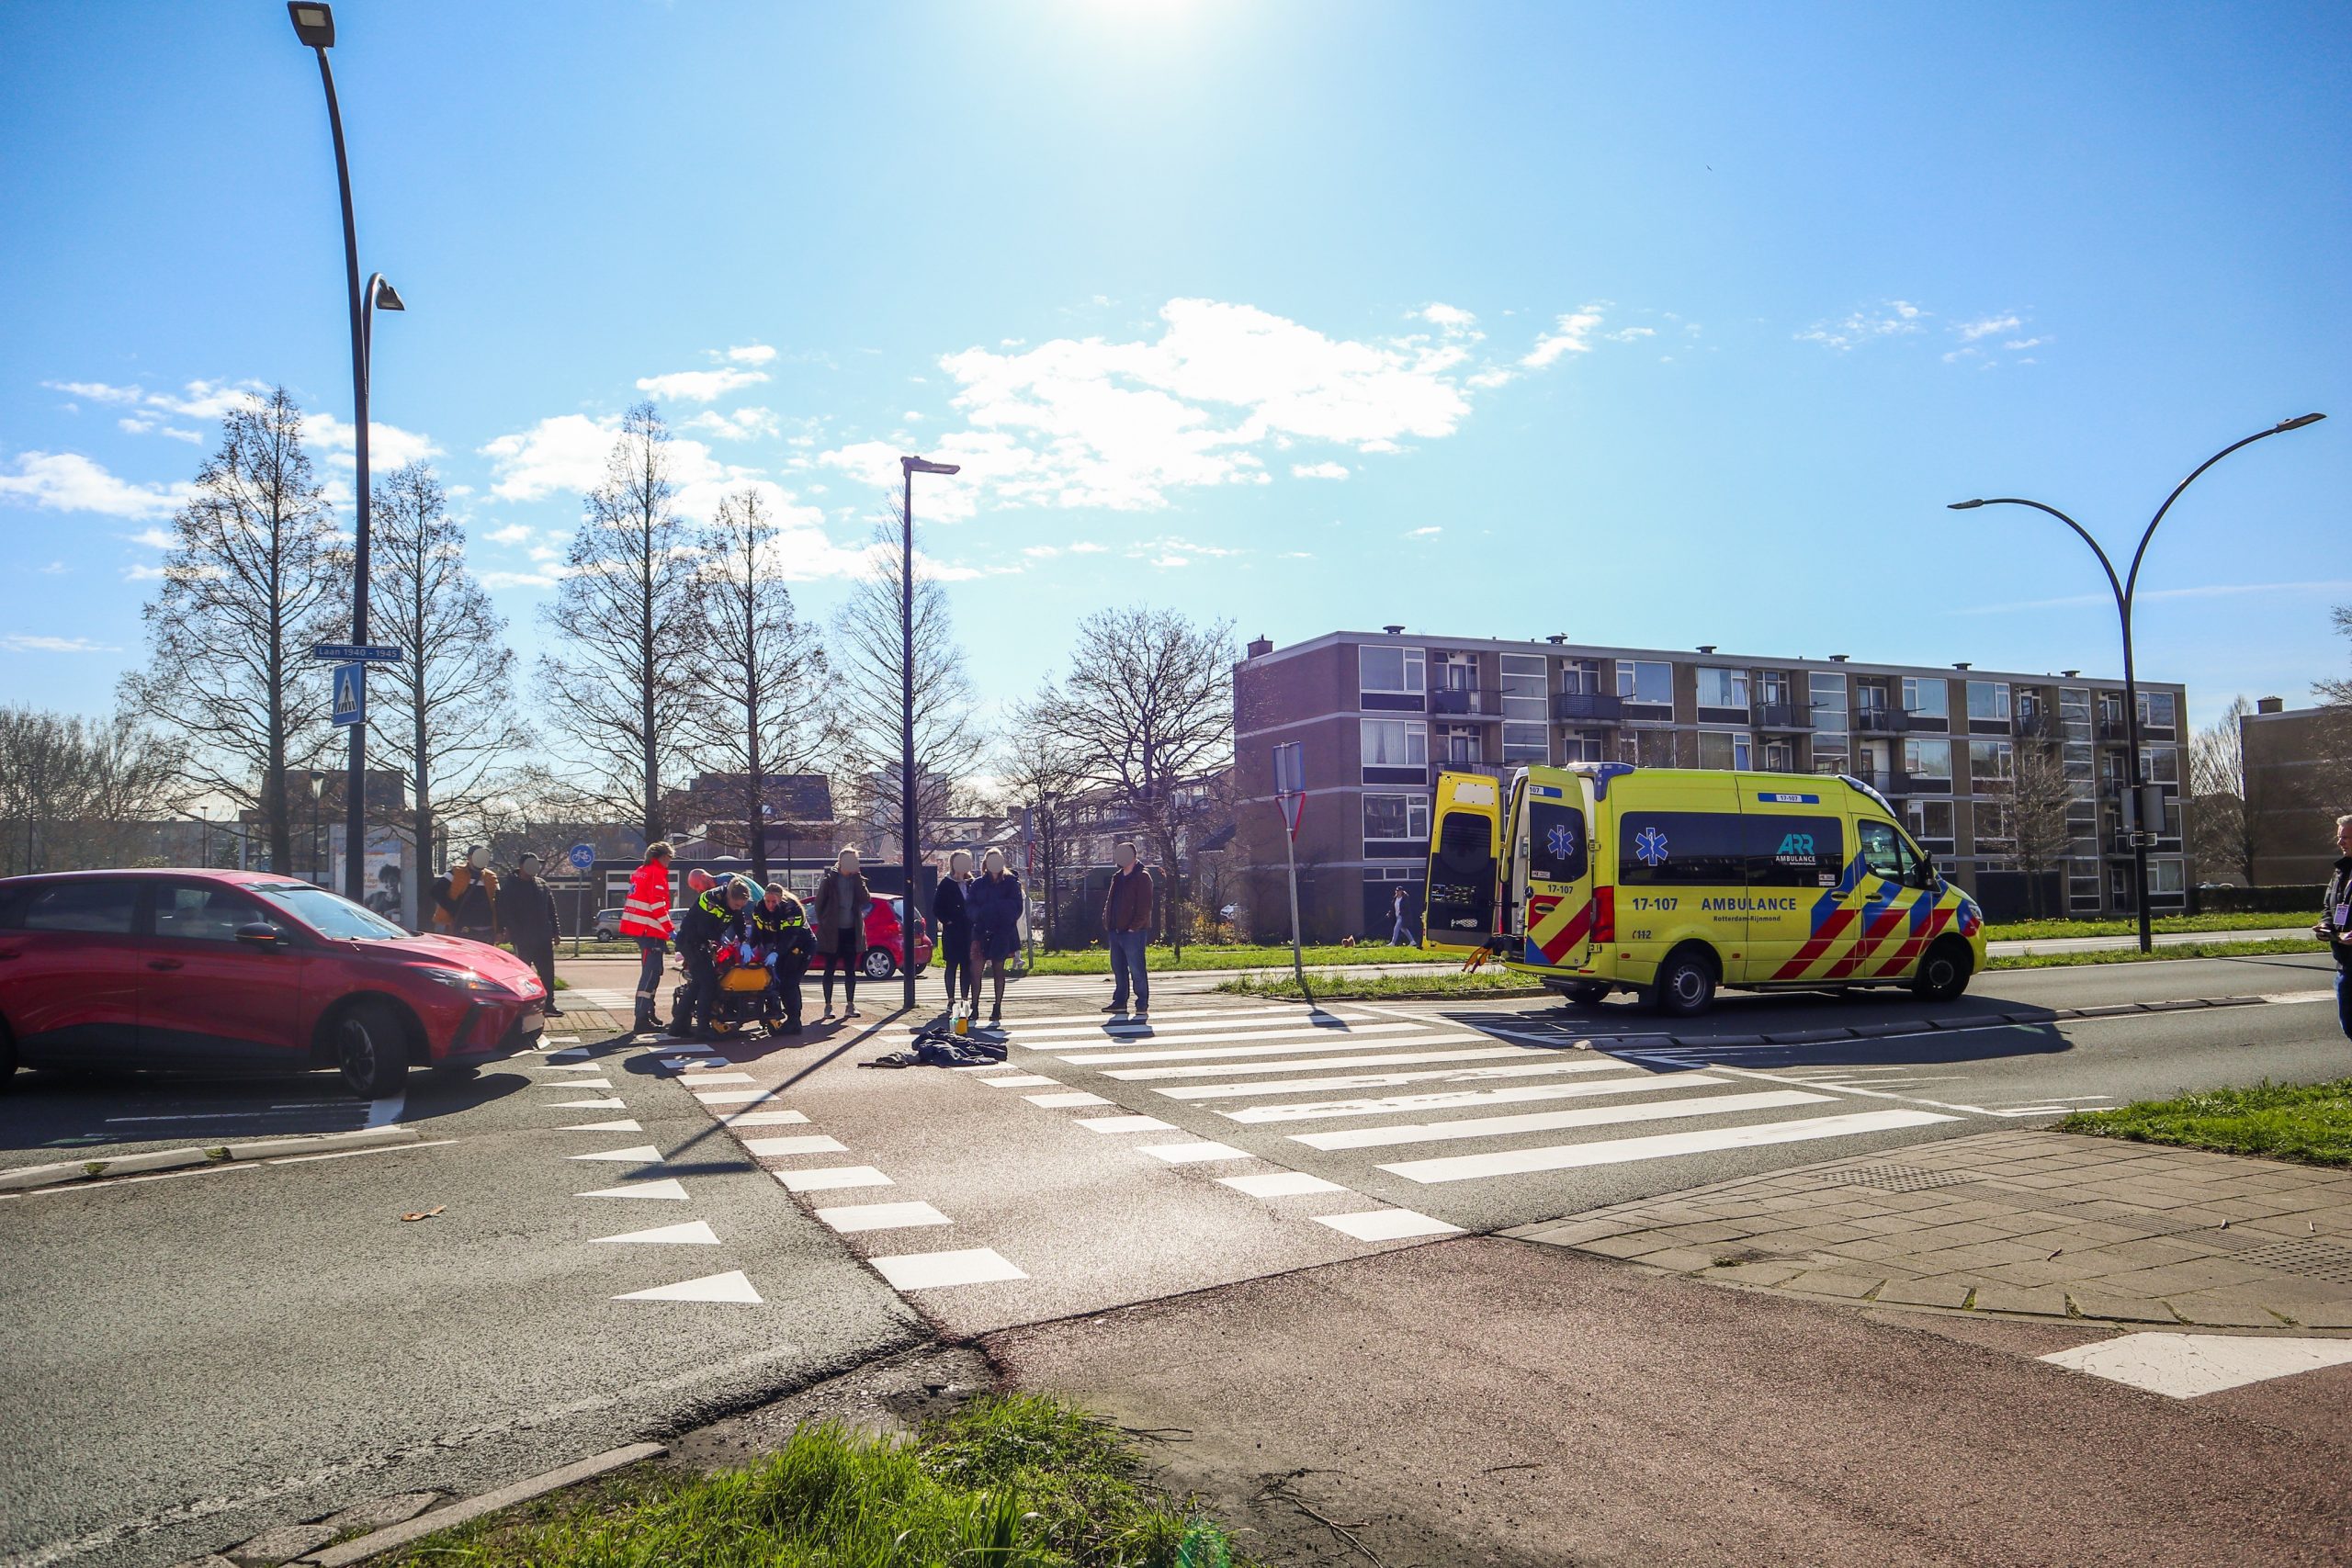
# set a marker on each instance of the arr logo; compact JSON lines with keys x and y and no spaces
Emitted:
{"x":1796,"y":846}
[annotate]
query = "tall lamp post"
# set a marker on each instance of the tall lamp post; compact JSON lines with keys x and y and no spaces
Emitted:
{"x":908,"y":846}
{"x":314,"y":25}
{"x":2124,"y":588}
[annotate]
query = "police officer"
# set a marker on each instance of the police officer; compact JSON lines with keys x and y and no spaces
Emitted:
{"x":780,"y":926}
{"x":709,"y":922}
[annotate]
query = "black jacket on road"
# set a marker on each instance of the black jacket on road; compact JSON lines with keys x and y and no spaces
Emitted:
{"x":2339,"y":893}
{"x":526,"y":910}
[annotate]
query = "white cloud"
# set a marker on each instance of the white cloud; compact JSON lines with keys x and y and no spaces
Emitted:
{"x":1896,"y":318}
{"x":512,"y":534}
{"x":1986,"y":326}
{"x":545,"y":554}
{"x":26,"y":642}
{"x":96,"y":391}
{"x":141,"y":572}
{"x":389,"y":446}
{"x":1429,"y":532}
{"x":67,"y":482}
{"x":1319,"y":470}
{"x":743,"y":425}
{"x":209,"y":400}
{"x":565,"y":453}
{"x":1449,"y":318}
{"x":1089,"y":547}
{"x":496,"y":580}
{"x":699,"y":386}
{"x":1630,"y":334}
{"x":2020,"y":344}
{"x":1570,"y":334}
{"x":1041,"y":552}
{"x":153,"y":539}
{"x":750,"y":353}
{"x":54,"y":568}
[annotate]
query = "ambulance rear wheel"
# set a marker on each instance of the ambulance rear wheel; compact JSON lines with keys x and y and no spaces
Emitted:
{"x":1686,"y":983}
{"x":1584,"y":993}
{"x":1943,"y":974}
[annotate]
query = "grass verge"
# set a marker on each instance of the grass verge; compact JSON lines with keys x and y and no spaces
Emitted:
{"x":1097,"y":961}
{"x":1018,"y":1481}
{"x":2312,"y":1125}
{"x":1502,"y":984}
{"x":2047,"y":931}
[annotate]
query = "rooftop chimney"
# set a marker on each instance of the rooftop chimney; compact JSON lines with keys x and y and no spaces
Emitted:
{"x":1393,"y":631}
{"x":1839,"y":657}
{"x":1556,"y":639}
{"x":2070,"y":675}
{"x":1959,"y":664}
{"x":2270,"y":704}
{"x":1706,"y":648}
{"x":1261,"y":646}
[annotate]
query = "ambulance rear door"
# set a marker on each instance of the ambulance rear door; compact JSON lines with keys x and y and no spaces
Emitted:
{"x":1555,"y":832}
{"x":1466,"y":849}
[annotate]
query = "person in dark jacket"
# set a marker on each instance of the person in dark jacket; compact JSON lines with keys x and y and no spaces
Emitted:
{"x":779,"y":928}
{"x":526,"y":914}
{"x":837,"y":916}
{"x":993,"y":899}
{"x":711,"y":920}
{"x":951,"y":924}
{"x":2334,"y":926}
{"x":1126,"y":930}
{"x":469,"y":905}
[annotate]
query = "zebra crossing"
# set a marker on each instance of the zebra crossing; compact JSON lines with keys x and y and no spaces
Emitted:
{"x":1297,"y":1086}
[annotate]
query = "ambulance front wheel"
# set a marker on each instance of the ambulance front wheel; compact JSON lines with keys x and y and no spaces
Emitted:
{"x":1943,"y":974}
{"x":1686,"y":983}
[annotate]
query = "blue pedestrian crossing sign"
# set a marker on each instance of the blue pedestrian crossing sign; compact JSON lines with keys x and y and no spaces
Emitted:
{"x":350,"y":693}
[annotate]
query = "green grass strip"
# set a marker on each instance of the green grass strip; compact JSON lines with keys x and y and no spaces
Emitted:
{"x":1019,"y":1482}
{"x":2134,"y":955}
{"x":2312,"y":1125}
{"x":2047,"y":931}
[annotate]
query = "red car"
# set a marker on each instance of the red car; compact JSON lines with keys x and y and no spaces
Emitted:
{"x":885,"y":952}
{"x":243,"y":969}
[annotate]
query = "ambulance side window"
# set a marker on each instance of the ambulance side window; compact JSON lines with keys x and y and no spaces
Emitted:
{"x":1555,"y":847}
{"x":1882,"y":849}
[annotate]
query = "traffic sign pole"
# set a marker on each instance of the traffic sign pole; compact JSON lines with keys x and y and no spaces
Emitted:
{"x":1290,"y":793}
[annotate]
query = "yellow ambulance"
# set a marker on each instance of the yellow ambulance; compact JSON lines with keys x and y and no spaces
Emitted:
{"x":1668,"y":882}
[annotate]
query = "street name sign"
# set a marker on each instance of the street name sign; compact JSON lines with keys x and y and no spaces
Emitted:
{"x":358,"y":652}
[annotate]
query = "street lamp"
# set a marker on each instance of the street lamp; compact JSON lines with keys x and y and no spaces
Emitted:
{"x":314,"y":25}
{"x":908,"y":847}
{"x":2124,"y":588}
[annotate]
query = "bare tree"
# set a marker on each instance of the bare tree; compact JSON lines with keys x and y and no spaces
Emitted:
{"x":446,"y":713}
{"x":1039,"y":777}
{"x":2332,"y":780}
{"x":622,"y":688}
{"x":1147,"y":714}
{"x":766,"y":716}
{"x":78,"y":793}
{"x":948,"y":739}
{"x":253,"y":578}
{"x":2222,"y":833}
{"x":2036,"y":815}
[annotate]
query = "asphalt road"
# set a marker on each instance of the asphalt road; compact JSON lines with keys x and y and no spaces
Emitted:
{"x":196,"y":1357}
{"x":192,"y":1359}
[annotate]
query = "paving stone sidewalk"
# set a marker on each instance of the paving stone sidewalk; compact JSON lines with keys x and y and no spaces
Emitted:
{"x":2051,"y":1224}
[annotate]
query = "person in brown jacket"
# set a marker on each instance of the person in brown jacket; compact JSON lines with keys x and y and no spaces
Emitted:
{"x":1126,"y":928}
{"x":837,"y":919}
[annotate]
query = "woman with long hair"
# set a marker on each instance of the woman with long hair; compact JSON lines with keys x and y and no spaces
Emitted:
{"x":952,"y":923}
{"x":994,"y":901}
{"x":838,"y":918}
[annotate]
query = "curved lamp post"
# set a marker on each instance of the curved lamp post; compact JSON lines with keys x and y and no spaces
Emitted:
{"x":2124,"y":587}
{"x":314,"y":25}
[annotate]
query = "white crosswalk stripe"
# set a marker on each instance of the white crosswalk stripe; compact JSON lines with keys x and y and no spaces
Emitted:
{"x":1279,"y":1067}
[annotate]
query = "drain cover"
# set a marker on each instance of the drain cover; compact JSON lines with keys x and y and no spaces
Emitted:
{"x":1896,"y":1177}
{"x":2312,"y":1259}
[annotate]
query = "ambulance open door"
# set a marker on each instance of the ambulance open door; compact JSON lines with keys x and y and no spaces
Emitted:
{"x":1466,"y":843}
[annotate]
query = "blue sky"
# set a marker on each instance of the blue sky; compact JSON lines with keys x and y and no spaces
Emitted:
{"x":1653,"y":324}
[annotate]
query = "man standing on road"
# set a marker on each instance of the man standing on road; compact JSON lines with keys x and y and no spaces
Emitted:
{"x":1127,"y":926}
{"x":526,"y":913}
{"x":2334,"y":926}
{"x":645,"y":920}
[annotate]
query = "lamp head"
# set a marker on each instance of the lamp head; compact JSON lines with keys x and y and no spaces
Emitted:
{"x":387,"y":296}
{"x":926,"y":466}
{"x":1965,"y":505}
{"x":314,"y":24}
{"x":2300,"y":421}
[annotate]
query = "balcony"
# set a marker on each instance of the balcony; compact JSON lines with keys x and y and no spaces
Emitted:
{"x":1497,"y":770}
{"x":1587,"y":707}
{"x":2038,"y":726}
{"x":1881,"y":721}
{"x":1783,"y":715}
{"x":2112,"y":728}
{"x":1466,"y":702}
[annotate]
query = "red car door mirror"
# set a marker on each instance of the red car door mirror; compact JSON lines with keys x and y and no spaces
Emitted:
{"x":260,"y":933}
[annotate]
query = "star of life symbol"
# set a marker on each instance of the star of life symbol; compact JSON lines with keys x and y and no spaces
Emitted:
{"x":1561,"y":840}
{"x":1649,"y":848}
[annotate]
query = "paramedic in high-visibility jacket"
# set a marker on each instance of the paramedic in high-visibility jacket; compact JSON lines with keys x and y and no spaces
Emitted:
{"x":645,"y":920}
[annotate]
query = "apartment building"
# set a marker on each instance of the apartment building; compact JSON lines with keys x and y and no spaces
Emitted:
{"x":2298,"y":779}
{"x":1379,"y":714}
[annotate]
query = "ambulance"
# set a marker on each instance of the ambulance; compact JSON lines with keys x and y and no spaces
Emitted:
{"x":1670,"y":882}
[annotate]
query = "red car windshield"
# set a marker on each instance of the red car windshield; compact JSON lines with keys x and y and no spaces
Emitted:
{"x":328,"y":914}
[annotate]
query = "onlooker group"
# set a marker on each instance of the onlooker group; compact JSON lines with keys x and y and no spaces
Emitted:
{"x":951,"y":924}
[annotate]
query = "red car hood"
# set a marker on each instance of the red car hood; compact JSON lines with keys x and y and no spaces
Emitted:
{"x":458,"y":953}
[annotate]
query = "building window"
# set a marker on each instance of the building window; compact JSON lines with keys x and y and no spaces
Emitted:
{"x":1526,"y":742}
{"x":2157,"y":709}
{"x":1396,"y":816}
{"x":1395,"y":743}
{"x":1930,"y":821}
{"x":1927,"y":759}
{"x":1780,"y":756}
{"x":1995,"y":827}
{"x":1988,"y":700}
{"x":1656,"y":748}
{"x":1391,"y":672}
{"x":1726,"y":748}
{"x":1646,"y":681}
{"x":2160,"y":765}
{"x":1585,"y":745}
{"x":1926,"y":697}
{"x":1721,"y":688}
{"x":1581,"y":676}
{"x":1991,"y":764}
{"x":2166,"y":876}
{"x":1828,"y":703}
{"x":1776,"y":686}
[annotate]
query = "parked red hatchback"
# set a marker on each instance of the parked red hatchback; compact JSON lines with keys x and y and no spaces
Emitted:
{"x":886,"y":951}
{"x":237,"y":969}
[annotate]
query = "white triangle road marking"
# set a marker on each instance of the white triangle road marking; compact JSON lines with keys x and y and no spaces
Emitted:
{"x":730,"y":1286}
{"x":669,"y":1188}
{"x":625,"y":1125}
{"x":2183,"y":1366}
{"x":694,"y":1232}
{"x":642,"y":1154}
{"x":584,"y":1105}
